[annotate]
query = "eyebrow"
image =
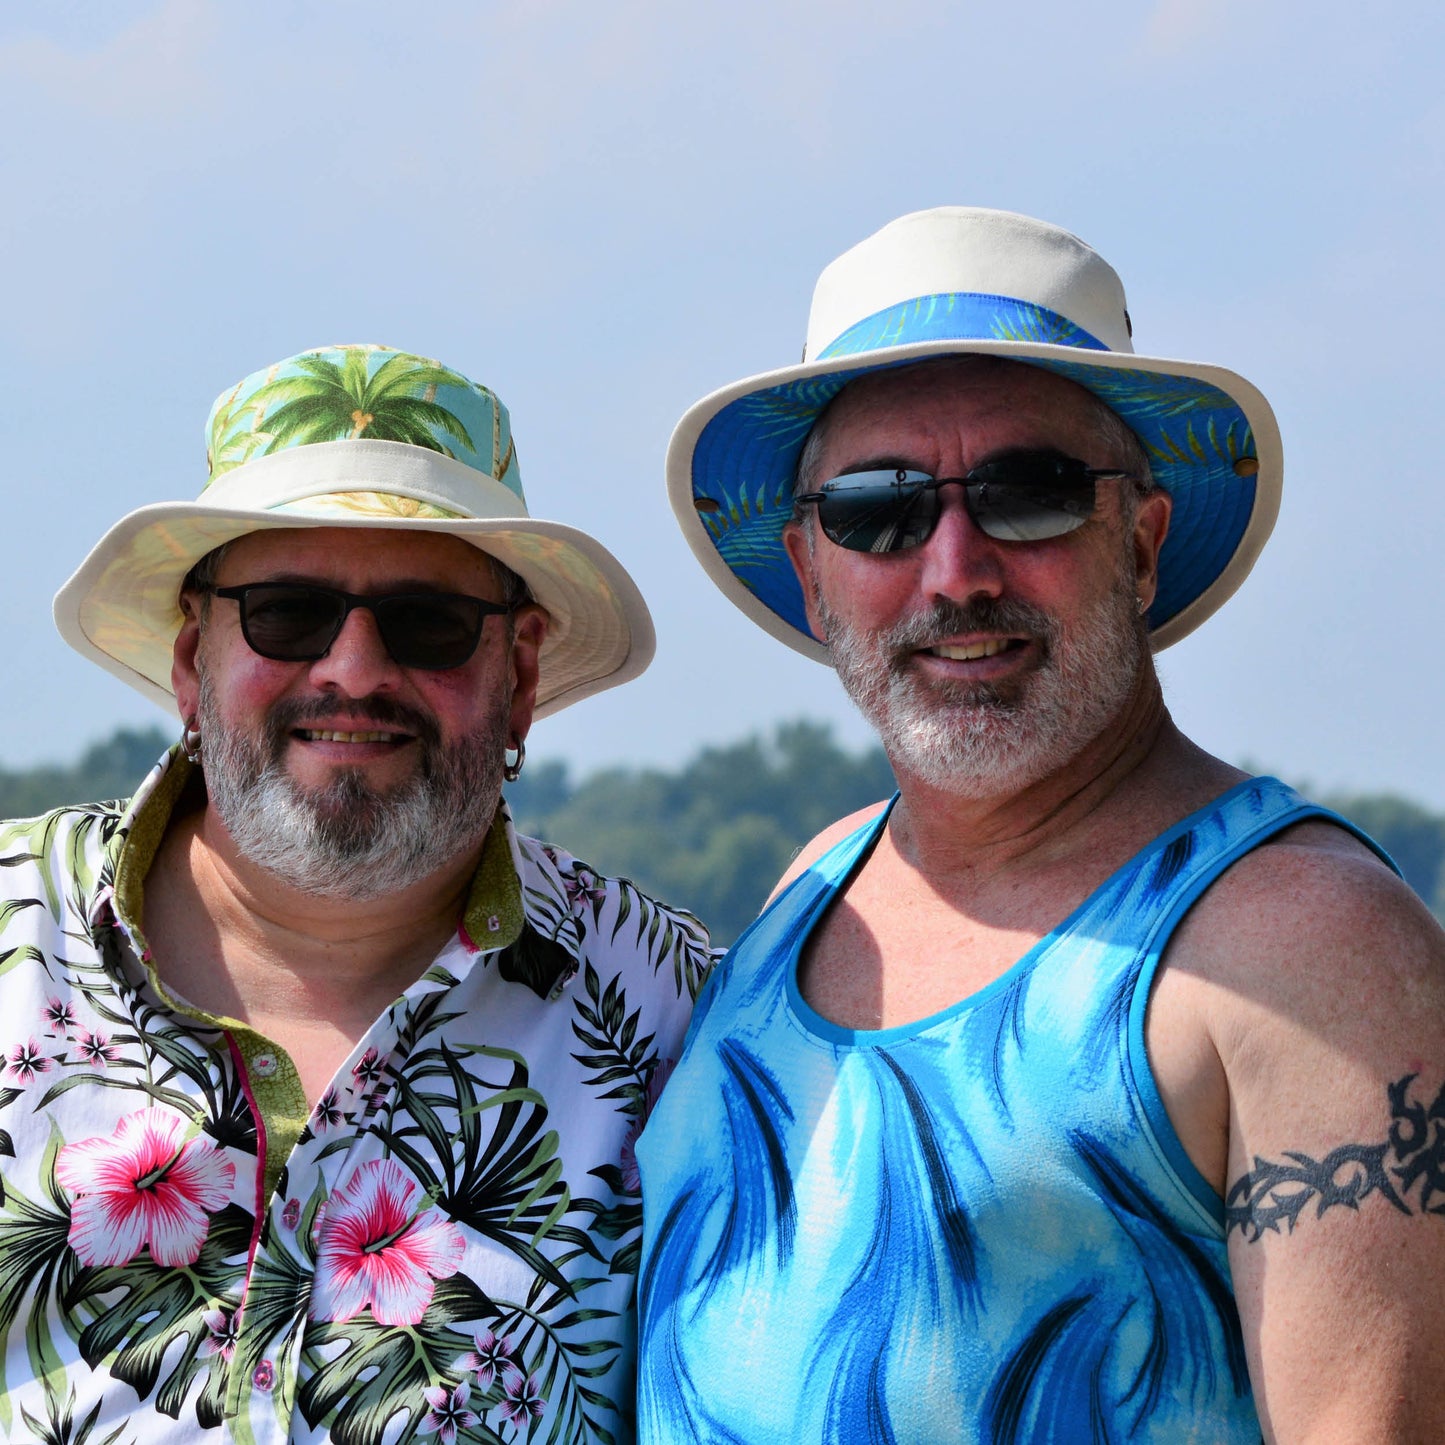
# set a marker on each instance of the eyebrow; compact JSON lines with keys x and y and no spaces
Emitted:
{"x":399,"y":586}
{"x":890,"y":461}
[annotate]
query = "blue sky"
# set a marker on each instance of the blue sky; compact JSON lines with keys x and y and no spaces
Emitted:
{"x":605,"y":212}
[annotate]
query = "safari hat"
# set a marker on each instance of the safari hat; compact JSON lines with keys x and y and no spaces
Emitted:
{"x":960,"y":280}
{"x":367,"y":437}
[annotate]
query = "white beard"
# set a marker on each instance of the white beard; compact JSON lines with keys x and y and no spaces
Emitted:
{"x":986,"y":739}
{"x":349,"y":840}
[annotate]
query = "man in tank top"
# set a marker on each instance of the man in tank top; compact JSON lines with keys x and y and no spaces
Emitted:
{"x":1090,"y":1090}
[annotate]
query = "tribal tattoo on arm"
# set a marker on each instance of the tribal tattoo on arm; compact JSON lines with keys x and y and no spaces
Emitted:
{"x":1274,"y":1194}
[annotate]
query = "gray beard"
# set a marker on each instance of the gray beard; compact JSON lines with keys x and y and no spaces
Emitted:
{"x":987,"y":739}
{"x":348,"y":840}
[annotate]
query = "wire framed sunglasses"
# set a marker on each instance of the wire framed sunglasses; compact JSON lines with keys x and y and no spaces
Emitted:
{"x":1022,"y":497}
{"x":299,"y":621}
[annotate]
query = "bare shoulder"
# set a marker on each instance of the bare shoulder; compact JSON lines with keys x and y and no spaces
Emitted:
{"x":1313,"y":915}
{"x":830,"y":836}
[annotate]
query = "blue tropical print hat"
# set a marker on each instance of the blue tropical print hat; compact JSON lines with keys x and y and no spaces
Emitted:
{"x":961,"y":280}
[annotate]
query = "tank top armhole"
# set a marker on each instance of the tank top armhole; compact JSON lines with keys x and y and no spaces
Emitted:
{"x":1165,"y":1141}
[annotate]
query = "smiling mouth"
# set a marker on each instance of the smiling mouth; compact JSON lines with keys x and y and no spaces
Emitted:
{"x":332,"y":735}
{"x":974,"y":651}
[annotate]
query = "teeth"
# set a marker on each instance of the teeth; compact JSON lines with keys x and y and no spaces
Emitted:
{"x":321,"y":735}
{"x":972,"y":652}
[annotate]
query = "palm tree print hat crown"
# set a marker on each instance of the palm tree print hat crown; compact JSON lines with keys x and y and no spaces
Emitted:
{"x":960,"y":280}
{"x":357,"y":436}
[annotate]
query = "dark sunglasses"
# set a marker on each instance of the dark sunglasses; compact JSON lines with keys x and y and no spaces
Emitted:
{"x":1023,"y":497}
{"x":298,"y":622}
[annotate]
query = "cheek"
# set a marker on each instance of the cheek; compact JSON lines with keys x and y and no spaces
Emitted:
{"x":243,"y":683}
{"x":466,"y":697}
{"x":869,"y":590}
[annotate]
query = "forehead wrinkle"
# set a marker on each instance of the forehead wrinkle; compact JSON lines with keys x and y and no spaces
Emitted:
{"x":937,"y":406}
{"x":404,"y":560}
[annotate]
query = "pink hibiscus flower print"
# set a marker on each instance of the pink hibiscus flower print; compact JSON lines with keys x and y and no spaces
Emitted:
{"x":25,"y":1062}
{"x":584,"y":890}
{"x":95,"y":1049}
{"x":448,"y":1412}
{"x":367,"y":1085}
{"x":490,"y":1357}
{"x":220,"y":1334}
{"x":327,"y":1113}
{"x":367,"y":1069}
{"x":522,"y":1401}
{"x":59,"y":1016}
{"x":146,"y":1187}
{"x":382,"y":1249}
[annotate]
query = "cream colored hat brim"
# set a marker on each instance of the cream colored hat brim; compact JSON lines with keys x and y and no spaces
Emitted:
{"x":120,"y":609}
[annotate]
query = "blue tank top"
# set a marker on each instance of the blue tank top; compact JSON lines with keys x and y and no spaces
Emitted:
{"x":977,"y":1227}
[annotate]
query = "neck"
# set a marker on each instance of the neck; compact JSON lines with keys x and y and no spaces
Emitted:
{"x":237,"y":940}
{"x":1136,"y":777}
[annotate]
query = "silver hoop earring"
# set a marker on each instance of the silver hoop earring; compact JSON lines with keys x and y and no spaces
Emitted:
{"x":512,"y":771}
{"x":191,"y":741}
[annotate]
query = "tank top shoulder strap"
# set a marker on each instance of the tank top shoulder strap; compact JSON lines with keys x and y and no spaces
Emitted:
{"x":1185,"y":860}
{"x":766,"y":946}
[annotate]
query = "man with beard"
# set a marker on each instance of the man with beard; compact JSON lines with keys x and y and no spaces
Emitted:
{"x":321,"y":1083}
{"x":1090,"y":1089}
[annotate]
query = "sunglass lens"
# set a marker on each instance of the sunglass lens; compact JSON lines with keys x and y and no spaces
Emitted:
{"x":880,"y":511}
{"x":291,"y":624}
{"x":432,"y":631}
{"x":1030,"y":498}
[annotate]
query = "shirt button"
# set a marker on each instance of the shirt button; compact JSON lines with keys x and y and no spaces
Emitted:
{"x":264,"y":1375}
{"x":264,"y":1065}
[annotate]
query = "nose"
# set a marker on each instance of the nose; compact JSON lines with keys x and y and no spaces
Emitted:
{"x":959,"y":561}
{"x":357,"y":662}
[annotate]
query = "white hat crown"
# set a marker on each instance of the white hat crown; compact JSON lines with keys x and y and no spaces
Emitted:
{"x":955,"y":250}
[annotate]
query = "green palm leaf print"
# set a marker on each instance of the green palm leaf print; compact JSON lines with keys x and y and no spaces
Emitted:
{"x":326,"y":399}
{"x":145,"y":1318}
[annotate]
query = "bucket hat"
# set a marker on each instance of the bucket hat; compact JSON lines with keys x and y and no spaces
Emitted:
{"x":367,"y":437}
{"x":962,"y":280}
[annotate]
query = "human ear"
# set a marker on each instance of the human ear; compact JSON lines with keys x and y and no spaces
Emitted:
{"x":799,"y":547}
{"x":185,"y":674}
{"x":529,"y":631}
{"x":1151,"y":527}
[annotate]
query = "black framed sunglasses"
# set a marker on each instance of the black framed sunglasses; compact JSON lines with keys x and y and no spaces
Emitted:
{"x":1022,"y":497}
{"x":298,"y":622}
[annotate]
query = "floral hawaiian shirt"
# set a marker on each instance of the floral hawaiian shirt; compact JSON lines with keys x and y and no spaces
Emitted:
{"x":443,"y":1248}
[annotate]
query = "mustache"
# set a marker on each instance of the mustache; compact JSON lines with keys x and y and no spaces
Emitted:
{"x":293,"y":712}
{"x":946,"y":619}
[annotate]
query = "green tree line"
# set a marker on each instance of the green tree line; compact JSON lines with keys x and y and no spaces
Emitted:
{"x":714,"y":833}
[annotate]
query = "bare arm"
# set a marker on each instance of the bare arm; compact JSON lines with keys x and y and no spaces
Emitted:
{"x":1330,"y":1027}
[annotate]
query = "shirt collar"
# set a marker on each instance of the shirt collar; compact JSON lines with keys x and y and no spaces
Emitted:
{"x":492,"y":919}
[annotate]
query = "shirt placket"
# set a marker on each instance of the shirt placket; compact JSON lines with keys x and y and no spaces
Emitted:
{"x":265,"y":1396}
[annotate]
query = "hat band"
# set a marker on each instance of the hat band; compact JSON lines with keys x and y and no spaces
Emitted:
{"x":284,"y":481}
{"x":960,"y":316}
